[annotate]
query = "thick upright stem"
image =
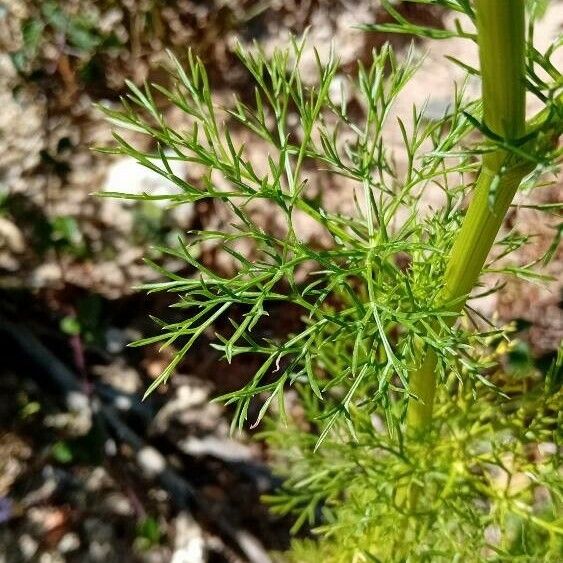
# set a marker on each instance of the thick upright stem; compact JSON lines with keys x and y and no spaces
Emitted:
{"x":501,"y":39}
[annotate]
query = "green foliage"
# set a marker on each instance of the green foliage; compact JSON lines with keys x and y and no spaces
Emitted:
{"x":487,"y":476}
{"x":66,"y":236}
{"x":369,"y":299}
{"x":82,"y":450}
{"x":62,"y":452}
{"x":86,"y":321}
{"x":358,"y":291}
{"x":51,"y":23}
{"x":149,"y":534}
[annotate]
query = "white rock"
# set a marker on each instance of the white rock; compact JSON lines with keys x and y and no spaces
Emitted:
{"x":547,"y":449}
{"x":493,"y":535}
{"x":45,"y":275}
{"x":28,"y":546}
{"x":150,"y":461}
{"x":339,"y":90}
{"x":98,"y":478}
{"x":69,"y":542}
{"x":218,"y":447}
{"x":189,"y":543}
{"x":10,"y":236}
{"x":127,"y":176}
{"x":118,"y":503}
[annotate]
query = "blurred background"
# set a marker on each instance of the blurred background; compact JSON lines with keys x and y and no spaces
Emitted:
{"x":87,"y":471}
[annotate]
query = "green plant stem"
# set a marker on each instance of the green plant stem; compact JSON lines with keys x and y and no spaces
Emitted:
{"x":501,"y":40}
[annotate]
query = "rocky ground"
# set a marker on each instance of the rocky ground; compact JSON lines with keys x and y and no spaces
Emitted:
{"x":87,"y":471}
